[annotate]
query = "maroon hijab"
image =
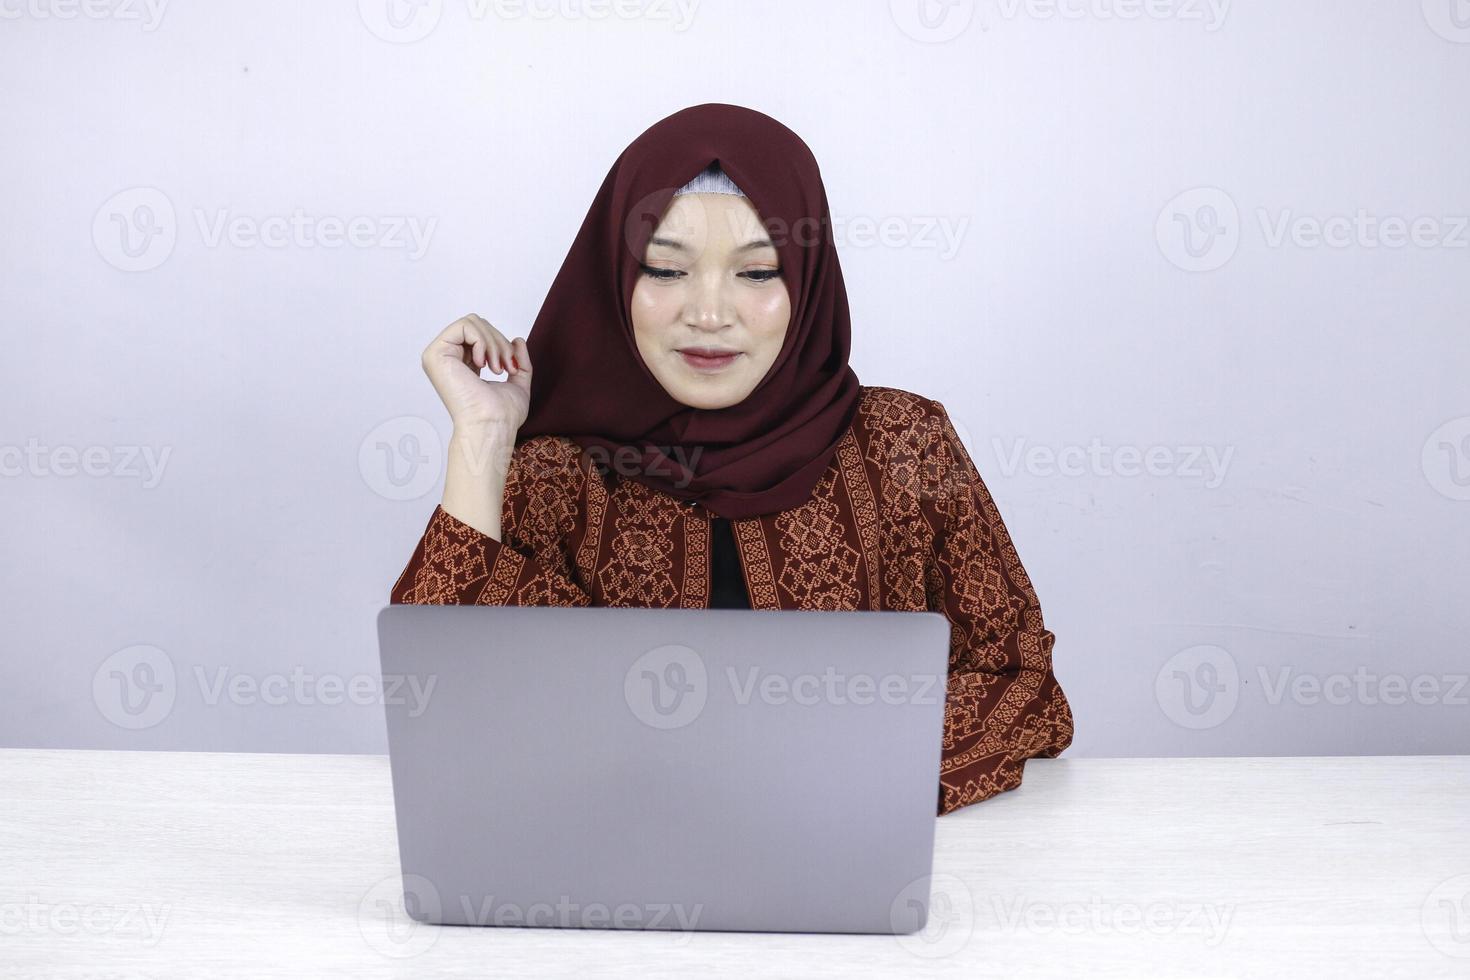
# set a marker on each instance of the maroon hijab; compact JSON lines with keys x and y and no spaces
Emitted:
{"x":763,"y":454}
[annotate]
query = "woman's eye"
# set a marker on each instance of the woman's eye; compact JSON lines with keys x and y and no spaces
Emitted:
{"x":665,"y":275}
{"x":655,"y":272}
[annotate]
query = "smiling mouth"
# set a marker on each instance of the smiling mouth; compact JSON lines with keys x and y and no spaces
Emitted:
{"x":708,"y":359}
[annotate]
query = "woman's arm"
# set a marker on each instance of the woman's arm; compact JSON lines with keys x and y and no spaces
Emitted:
{"x":499,"y":536}
{"x":475,"y":472}
{"x":474,"y":553}
{"x":1003,"y":705}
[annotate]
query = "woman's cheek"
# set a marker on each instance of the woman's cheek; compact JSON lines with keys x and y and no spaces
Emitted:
{"x":653,"y":312}
{"x":771,"y":314}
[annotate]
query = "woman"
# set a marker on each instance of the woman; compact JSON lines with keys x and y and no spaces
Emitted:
{"x":682,"y":428}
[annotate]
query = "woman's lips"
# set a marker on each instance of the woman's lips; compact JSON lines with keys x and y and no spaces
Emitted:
{"x":708,"y":363}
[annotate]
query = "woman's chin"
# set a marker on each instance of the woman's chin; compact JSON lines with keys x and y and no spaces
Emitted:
{"x":709,"y":393}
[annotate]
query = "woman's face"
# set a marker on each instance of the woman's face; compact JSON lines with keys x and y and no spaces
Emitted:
{"x":711,"y":284}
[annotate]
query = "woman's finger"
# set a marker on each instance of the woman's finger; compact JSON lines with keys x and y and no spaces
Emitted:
{"x":483,"y":346}
{"x":486,"y":327}
{"x":490,"y":337}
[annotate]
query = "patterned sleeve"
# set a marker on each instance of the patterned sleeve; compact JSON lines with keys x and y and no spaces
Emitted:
{"x":1003,"y":705}
{"x":455,"y":564}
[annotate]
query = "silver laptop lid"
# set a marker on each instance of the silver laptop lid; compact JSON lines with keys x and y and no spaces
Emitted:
{"x":665,"y":768}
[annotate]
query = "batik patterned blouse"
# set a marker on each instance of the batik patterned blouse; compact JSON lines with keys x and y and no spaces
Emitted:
{"x":900,"y":521}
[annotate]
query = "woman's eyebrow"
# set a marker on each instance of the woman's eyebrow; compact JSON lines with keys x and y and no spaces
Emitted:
{"x":675,"y":244}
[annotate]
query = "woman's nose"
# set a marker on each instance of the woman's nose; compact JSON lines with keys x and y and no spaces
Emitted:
{"x":709,"y":306}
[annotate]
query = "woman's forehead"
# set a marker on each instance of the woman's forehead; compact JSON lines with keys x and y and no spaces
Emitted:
{"x":709,"y":218}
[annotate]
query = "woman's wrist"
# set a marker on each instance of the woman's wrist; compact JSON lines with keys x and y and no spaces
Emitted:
{"x":474,"y":479}
{"x":482,"y":445}
{"x":487,"y":427}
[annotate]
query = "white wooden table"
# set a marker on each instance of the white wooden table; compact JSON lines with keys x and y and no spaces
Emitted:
{"x":153,"y":864}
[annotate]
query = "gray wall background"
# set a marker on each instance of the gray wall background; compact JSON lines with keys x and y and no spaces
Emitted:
{"x":1193,"y":280}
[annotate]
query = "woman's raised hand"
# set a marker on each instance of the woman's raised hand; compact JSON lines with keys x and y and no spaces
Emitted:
{"x":453,"y":362}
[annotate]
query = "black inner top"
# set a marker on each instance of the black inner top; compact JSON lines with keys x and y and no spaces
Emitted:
{"x":727,"y":584}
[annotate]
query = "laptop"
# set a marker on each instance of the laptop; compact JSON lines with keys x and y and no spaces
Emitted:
{"x":686,"y":769}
